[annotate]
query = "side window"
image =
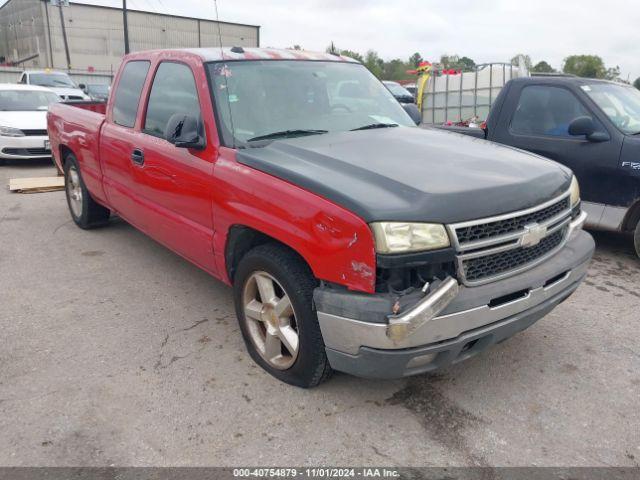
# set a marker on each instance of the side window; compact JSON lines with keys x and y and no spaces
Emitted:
{"x":127,"y":95}
{"x":173,"y":91}
{"x":23,"y":78}
{"x":546,"y":110}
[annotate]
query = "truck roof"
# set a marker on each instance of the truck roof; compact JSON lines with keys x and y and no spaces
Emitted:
{"x":563,"y":79}
{"x":249,"y":53}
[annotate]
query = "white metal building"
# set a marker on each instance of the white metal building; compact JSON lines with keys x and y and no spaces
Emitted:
{"x":32,"y":34}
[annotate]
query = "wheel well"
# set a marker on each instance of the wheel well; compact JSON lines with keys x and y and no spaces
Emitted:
{"x":632,"y":218}
{"x":64,"y":151}
{"x":240,"y":241}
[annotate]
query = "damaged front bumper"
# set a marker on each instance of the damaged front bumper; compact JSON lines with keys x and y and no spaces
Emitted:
{"x":450,"y":324}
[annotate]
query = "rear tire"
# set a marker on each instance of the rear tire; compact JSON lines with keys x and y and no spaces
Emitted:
{"x":636,"y":239}
{"x":84,"y":210}
{"x":273,"y":293}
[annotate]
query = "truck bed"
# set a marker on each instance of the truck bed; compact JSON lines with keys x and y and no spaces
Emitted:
{"x":77,"y":125}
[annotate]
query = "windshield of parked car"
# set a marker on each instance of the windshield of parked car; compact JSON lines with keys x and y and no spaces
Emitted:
{"x":51,"y":80}
{"x":26,"y":100}
{"x":620,"y":103}
{"x":397,"y":89}
{"x":260,"y":101}
{"x":98,"y":89}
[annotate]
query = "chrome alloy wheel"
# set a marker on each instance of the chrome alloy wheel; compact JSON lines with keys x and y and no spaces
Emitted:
{"x":270,"y":320}
{"x":74,"y":192}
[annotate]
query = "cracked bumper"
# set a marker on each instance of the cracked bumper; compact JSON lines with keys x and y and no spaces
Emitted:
{"x":468,"y":325}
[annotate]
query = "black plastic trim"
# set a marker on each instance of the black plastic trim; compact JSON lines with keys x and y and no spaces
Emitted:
{"x":415,"y":259}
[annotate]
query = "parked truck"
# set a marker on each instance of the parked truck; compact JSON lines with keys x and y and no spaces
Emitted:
{"x":353,"y":240}
{"x":591,"y":126}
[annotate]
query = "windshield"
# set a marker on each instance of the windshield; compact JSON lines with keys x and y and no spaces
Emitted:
{"x":98,"y":89}
{"x":51,"y":80}
{"x":397,"y":89}
{"x":619,"y":102}
{"x":26,"y":100}
{"x":293,"y":98}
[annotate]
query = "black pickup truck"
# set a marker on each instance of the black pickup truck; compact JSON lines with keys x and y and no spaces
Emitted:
{"x":591,"y":126}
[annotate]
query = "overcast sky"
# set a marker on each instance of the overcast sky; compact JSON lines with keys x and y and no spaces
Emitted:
{"x":492,"y":30}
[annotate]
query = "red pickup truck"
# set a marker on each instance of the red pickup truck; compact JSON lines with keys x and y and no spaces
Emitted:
{"x":353,"y":240}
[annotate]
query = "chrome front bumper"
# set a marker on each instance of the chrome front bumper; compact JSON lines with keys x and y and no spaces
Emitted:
{"x":453,"y":310}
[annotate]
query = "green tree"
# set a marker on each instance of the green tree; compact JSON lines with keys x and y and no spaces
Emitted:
{"x":449,"y":61}
{"x":467,"y":63}
{"x":352,"y":54}
{"x":456,"y":62}
{"x":374,"y":63}
{"x":637,"y":83}
{"x":613,"y":73}
{"x":589,"y":66}
{"x":542,"y":67}
{"x":415,"y":59}
{"x":516,"y":60}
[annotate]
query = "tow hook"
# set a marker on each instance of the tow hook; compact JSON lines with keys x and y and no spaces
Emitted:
{"x":401,"y":326}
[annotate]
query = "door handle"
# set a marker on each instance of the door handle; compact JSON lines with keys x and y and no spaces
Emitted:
{"x":137,"y":156}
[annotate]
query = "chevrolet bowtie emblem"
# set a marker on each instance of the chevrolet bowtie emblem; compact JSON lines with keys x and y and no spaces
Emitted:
{"x":533,"y":233}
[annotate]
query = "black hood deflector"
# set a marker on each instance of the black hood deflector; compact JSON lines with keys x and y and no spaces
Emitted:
{"x":412,"y":174}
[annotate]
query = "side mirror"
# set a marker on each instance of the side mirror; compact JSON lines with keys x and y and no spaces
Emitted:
{"x":83,"y":87}
{"x":185,"y":131}
{"x":586,"y":126}
{"x":412,"y":110}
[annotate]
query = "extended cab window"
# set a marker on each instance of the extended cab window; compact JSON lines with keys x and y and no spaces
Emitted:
{"x":128,"y":92}
{"x":173,"y":91}
{"x":546,"y":110}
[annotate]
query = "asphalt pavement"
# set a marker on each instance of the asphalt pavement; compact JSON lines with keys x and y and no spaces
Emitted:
{"x":116,"y":351}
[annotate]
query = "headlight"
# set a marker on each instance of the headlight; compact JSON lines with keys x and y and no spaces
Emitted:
{"x":397,"y":237}
{"x":10,"y":132}
{"x":575,"y":191}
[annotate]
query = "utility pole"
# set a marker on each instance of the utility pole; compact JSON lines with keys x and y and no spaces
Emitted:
{"x":64,"y":35}
{"x":126,"y":26}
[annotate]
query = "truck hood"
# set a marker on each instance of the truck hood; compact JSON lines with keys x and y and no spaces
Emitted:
{"x":412,"y":174}
{"x":24,"y":120}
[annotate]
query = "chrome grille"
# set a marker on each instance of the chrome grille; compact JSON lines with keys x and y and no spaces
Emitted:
{"x":493,"y":248}
{"x":501,"y":227}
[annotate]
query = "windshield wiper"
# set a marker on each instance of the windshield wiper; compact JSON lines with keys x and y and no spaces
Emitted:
{"x":286,"y":133}
{"x":371,"y":126}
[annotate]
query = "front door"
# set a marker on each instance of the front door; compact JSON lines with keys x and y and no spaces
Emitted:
{"x":175,"y":184}
{"x":538,"y":121}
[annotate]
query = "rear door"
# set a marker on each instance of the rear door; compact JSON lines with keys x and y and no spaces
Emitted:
{"x":117,"y":141}
{"x":536,"y":118}
{"x":175,"y":184}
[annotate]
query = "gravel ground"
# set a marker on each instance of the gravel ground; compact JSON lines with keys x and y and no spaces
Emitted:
{"x":115,"y":351}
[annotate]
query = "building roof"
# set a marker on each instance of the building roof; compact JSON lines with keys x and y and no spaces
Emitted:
{"x":250,"y":53}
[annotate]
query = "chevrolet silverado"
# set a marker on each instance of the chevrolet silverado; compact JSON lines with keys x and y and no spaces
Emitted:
{"x":353,"y":240}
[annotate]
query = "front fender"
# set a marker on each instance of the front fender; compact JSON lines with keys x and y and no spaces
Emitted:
{"x":337,"y":244}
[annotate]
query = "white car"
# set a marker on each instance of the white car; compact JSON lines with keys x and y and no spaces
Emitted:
{"x":23,"y":121}
{"x":59,"y":82}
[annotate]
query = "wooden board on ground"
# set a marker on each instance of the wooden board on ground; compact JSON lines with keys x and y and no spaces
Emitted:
{"x":36,"y":184}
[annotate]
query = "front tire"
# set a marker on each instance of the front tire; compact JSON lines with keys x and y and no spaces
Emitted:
{"x":273,"y":293}
{"x":85,"y":211}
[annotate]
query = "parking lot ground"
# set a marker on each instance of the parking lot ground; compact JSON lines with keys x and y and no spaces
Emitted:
{"x":115,"y":351}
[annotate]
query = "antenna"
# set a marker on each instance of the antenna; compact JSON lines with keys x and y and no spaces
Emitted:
{"x":225,"y":70}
